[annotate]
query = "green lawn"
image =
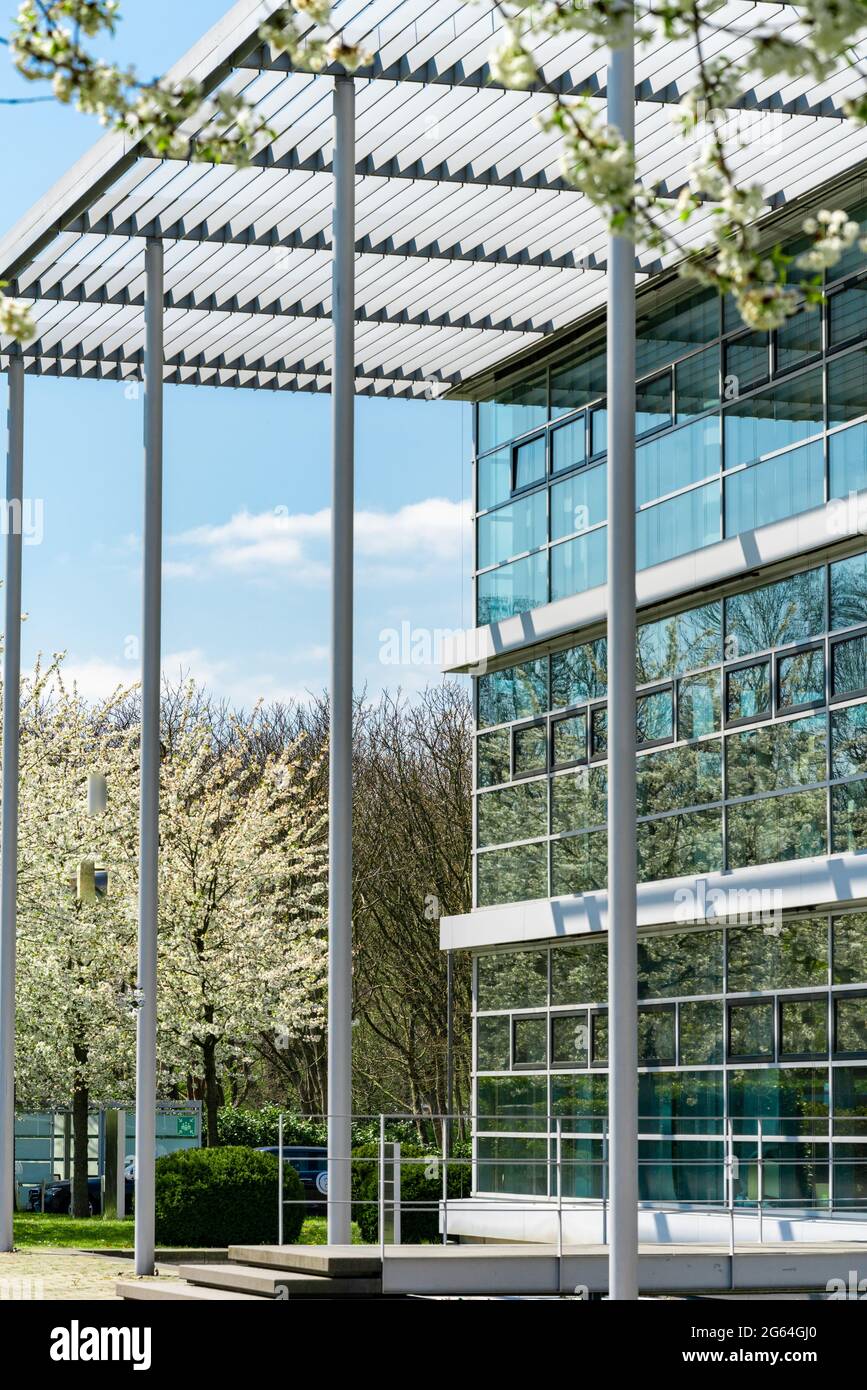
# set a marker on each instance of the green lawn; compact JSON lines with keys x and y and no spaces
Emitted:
{"x":34,"y":1228}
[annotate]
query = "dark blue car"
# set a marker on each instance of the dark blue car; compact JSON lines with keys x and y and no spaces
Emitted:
{"x":310,"y":1162}
{"x":58,"y":1196}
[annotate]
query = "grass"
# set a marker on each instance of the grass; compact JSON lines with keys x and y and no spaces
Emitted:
{"x":89,"y":1233}
{"x":92,"y":1233}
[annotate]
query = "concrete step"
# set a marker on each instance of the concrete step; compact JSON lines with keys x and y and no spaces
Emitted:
{"x":279,"y":1283}
{"x":345,"y":1261}
{"x":172,"y":1290}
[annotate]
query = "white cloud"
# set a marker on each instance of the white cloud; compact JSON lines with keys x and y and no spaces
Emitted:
{"x":417,"y":539}
{"x":96,"y":678}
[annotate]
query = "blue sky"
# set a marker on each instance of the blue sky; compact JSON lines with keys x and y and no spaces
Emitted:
{"x":247,"y":480}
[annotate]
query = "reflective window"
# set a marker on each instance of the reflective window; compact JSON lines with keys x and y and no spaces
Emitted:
{"x":751,"y":1030}
{"x":519,"y":812}
{"x":656,"y":1035}
{"x":790,"y":955}
{"x":850,"y":1024}
{"x":777,"y":756}
{"x":492,"y":1043}
{"x":698,"y":705}
{"x":570,"y":1040}
{"x":512,"y":875}
{"x":530,"y":1041}
{"x":579,"y":973}
{"x":577,"y":383}
{"x":849,"y":584}
{"x":512,"y":1102}
{"x":701,"y":1032}
{"x":514,"y":693}
{"x":517,"y":408}
{"x":687,"y":522}
{"x":849,"y":818}
{"x":777,"y":828}
{"x":530,"y":462}
{"x":569,"y":740}
{"x":801,"y":679}
{"x":653,"y":404}
{"x":696,"y":384}
{"x":849,"y":666}
{"x":579,"y":864}
{"x":774,"y":420}
{"x":494,"y":478}
{"x":804,"y":1027}
{"x":747,"y":363}
{"x":579,"y":564}
{"x":598,"y":732}
{"x":799,"y":339}
{"x":512,"y":979}
{"x":847,"y":387}
{"x":654,"y":716}
{"x":579,"y":674}
{"x":673,"y":964}
{"x":523,"y":525}
{"x":680,"y":844}
{"x":790,"y":610}
{"x":674,"y":461}
{"x":530,"y":749}
{"x":578,"y":799}
{"x":568,"y":445}
{"x":850,"y":948}
{"x":506,"y":1164}
{"x":669,"y":332}
{"x":748,"y":691}
{"x":493,"y":758}
{"x":847,"y":314}
{"x":515,"y":588}
{"x":849,"y":741}
{"x":847,"y":452}
{"x":787,"y":1100}
{"x":679,"y":777}
{"x":770,"y":491}
{"x":579,"y":502}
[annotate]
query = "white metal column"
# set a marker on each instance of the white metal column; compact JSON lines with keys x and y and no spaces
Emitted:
{"x":622,"y":931}
{"x":9,"y":812}
{"x":148,"y":911}
{"x":340,"y":755}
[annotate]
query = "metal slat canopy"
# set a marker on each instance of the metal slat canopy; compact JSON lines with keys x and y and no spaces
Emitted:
{"x":470,"y":245}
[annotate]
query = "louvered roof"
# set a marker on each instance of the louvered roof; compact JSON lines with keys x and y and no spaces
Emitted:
{"x":470,"y":246}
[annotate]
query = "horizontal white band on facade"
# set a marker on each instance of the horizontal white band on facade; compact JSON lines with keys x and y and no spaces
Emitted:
{"x":800,"y":885}
{"x":472,"y":650}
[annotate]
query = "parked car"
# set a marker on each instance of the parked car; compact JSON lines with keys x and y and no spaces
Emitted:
{"x":58,"y":1194}
{"x":310,"y":1162}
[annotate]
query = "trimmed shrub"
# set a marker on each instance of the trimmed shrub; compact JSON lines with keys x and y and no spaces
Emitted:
{"x":421,"y":1190}
{"x":224,"y":1196}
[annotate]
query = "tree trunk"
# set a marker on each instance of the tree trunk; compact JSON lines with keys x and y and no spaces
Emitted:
{"x":80,"y":1097}
{"x":212,"y":1094}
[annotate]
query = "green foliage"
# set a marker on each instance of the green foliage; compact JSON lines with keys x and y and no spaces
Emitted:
{"x":258,"y":1128}
{"x":421,"y":1190}
{"x":224,"y":1196}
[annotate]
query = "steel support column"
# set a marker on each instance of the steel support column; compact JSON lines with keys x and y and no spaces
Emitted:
{"x":9,"y":812}
{"x":340,"y":755}
{"x":149,"y":809}
{"x":622,"y":932}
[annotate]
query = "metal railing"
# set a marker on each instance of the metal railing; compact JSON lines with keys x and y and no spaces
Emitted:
{"x":761,"y":1158}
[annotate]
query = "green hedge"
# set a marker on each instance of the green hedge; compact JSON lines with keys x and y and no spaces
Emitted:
{"x":224,"y":1196}
{"x":258,"y":1128}
{"x":421,"y":1190}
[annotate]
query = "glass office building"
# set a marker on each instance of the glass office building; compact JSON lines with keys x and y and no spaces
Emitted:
{"x":751,"y":756}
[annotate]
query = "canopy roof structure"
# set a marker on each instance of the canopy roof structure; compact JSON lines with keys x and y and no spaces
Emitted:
{"x":470,"y":245}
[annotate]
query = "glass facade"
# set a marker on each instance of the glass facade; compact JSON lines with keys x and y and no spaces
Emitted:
{"x":751,"y":750}
{"x":758,"y":1028}
{"x":735,"y":430}
{"x":751,"y":742}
